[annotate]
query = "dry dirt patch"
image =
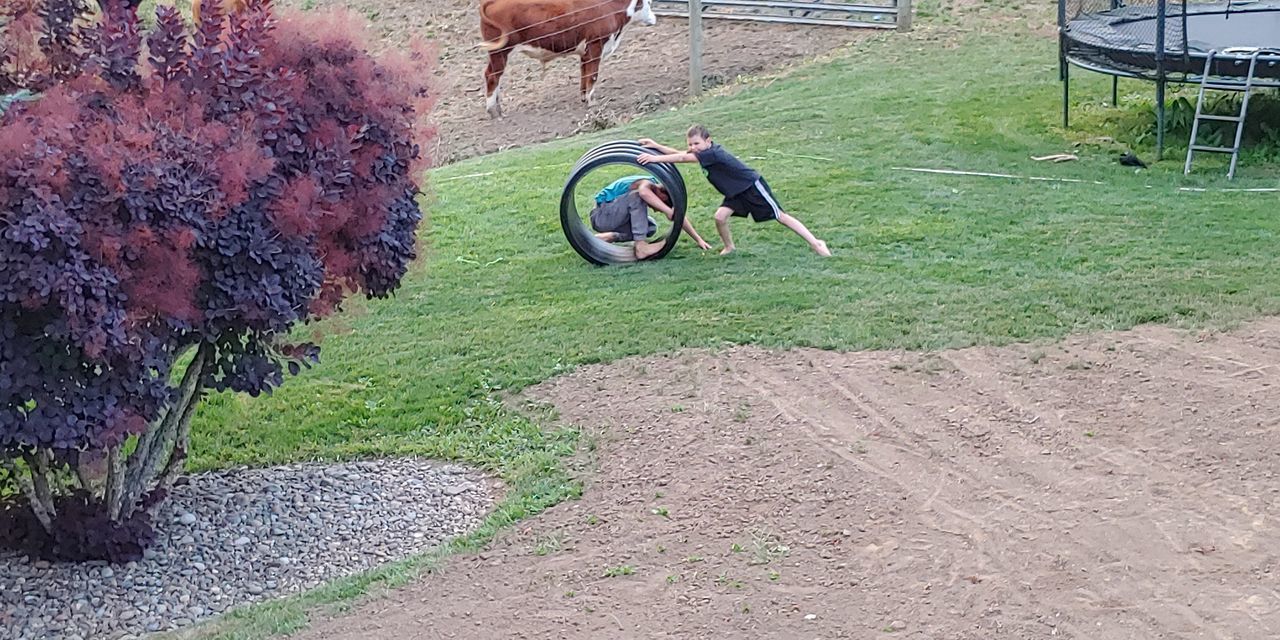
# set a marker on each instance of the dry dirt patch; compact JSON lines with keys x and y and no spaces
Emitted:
{"x":648,"y":72}
{"x":1110,"y":486}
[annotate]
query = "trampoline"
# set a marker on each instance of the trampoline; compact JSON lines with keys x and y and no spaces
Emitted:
{"x":1165,"y":41}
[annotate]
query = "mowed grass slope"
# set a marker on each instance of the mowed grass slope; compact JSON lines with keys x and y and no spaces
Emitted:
{"x":922,"y":261}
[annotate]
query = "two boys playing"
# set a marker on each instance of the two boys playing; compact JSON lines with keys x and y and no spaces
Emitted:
{"x":745,"y":193}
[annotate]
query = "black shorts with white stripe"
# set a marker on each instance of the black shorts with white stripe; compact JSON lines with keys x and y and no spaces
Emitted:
{"x":757,"y":200}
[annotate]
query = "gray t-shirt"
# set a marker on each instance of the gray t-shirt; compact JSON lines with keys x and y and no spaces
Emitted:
{"x":725,"y":172}
{"x":627,"y":216}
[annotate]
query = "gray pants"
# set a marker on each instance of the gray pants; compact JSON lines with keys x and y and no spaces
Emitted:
{"x":627,"y":216}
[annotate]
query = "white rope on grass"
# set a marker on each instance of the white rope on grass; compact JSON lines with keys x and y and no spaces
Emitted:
{"x":986,"y":174}
{"x":1253,"y":190}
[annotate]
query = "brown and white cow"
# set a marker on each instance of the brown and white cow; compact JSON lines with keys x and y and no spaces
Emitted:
{"x":228,"y":7}
{"x":547,"y":29}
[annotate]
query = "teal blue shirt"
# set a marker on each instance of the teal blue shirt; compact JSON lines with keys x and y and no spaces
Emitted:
{"x":619,"y":187}
{"x":7,"y":101}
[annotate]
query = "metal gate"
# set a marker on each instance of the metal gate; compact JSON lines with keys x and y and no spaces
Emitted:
{"x":894,"y":14}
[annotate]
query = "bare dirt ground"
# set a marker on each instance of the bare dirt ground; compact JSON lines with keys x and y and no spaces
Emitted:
{"x":648,"y":72}
{"x":1109,"y":486}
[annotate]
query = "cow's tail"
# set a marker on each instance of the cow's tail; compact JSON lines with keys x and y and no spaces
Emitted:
{"x":493,"y":45}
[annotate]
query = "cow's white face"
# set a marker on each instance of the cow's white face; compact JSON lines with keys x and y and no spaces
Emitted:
{"x":641,"y":11}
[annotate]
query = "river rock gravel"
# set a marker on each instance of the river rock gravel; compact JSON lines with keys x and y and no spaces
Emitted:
{"x":242,"y":535}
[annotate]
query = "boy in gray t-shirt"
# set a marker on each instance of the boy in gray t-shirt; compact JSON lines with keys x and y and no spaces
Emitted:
{"x":623,"y":219}
{"x":744,"y":191}
{"x":626,"y":217}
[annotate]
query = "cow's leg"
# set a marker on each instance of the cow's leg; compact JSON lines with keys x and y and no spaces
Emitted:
{"x":591,"y":70}
{"x":493,"y":81}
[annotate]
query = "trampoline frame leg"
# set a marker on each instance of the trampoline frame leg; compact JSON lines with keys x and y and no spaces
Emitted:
{"x":1161,"y":77}
{"x":1160,"y":119}
{"x":1064,"y":73}
{"x":1064,"y":68}
{"x":1066,"y":96}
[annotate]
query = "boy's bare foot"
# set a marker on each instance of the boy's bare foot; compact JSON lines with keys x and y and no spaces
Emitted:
{"x":727,"y":250}
{"x":822,"y":249}
{"x":646,"y":250}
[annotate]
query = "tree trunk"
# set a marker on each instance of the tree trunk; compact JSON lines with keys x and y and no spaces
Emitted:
{"x":164,"y":441}
{"x":161,"y":450}
{"x":45,"y":512}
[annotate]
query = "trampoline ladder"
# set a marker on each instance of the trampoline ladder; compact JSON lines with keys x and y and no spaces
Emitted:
{"x":1206,"y":83}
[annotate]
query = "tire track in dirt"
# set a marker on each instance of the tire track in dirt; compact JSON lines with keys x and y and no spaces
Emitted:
{"x":1182,"y":507}
{"x":895,"y":464}
{"x":1101,"y":531}
{"x":892,"y":413}
{"x":1071,"y":490}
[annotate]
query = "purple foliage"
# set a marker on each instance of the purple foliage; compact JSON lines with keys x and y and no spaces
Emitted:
{"x":237,"y":182}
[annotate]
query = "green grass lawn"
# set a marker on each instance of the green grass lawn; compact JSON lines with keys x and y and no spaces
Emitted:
{"x":922,"y":261}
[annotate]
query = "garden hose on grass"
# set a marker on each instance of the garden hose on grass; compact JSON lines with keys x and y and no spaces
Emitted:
{"x":580,"y":235}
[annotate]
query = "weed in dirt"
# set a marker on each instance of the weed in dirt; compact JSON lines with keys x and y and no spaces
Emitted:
{"x":660,"y":511}
{"x":742,"y":413}
{"x":548,"y":544}
{"x":620,"y":570}
{"x":933,"y":365}
{"x":766,"y":547}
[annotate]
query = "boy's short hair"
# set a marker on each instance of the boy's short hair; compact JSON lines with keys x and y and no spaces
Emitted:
{"x":700,"y":131}
{"x":658,"y":189}
{"x":663,"y":194}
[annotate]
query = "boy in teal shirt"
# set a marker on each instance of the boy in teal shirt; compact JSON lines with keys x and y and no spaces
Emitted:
{"x":621,"y":215}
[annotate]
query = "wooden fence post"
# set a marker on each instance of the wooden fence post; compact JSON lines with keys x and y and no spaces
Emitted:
{"x":695,"y":47}
{"x":904,"y":15}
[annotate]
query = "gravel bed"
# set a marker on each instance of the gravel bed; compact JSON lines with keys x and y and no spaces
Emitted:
{"x":244,"y":535}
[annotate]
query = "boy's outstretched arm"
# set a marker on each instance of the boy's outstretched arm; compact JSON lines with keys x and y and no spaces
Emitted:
{"x":652,"y":199}
{"x":649,"y":142}
{"x":697,"y":239}
{"x":679,"y":156}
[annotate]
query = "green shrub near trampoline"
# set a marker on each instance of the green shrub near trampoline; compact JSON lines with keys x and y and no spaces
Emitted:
{"x":1135,"y":122}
